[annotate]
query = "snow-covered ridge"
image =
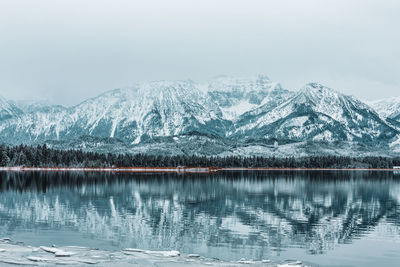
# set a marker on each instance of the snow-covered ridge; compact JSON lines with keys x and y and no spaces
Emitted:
{"x":237,"y":110}
{"x":8,"y":109}
{"x":388,"y":107}
{"x":317,"y":113}
{"x":236,"y":96}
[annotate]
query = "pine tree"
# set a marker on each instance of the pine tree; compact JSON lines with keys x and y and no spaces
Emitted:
{"x":4,"y":159}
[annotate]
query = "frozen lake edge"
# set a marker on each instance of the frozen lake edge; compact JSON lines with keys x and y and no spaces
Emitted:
{"x":16,"y":253}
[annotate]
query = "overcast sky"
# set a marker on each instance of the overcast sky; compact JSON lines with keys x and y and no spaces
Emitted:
{"x":69,"y":50}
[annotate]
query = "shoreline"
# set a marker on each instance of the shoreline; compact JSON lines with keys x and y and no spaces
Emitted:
{"x":181,"y":170}
{"x":18,"y":253}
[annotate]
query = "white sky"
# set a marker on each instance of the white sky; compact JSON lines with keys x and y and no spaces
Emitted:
{"x":69,"y":50}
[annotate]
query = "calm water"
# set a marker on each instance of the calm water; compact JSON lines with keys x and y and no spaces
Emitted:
{"x":323,"y":218}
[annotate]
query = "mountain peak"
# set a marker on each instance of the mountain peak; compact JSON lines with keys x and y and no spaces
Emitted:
{"x":236,"y":96}
{"x":231,"y":109}
{"x":317,"y":92}
{"x":257,"y":79}
{"x":316,"y":87}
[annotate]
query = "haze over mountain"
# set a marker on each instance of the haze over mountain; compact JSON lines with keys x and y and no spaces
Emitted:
{"x":221,"y":117}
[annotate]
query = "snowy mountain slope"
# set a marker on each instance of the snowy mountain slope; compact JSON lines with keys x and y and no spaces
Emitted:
{"x":8,"y":110}
{"x":387,"y":108}
{"x":236,"y":96}
{"x":151,"y":109}
{"x":131,"y":114}
{"x":316,"y":113}
{"x":225,"y":116}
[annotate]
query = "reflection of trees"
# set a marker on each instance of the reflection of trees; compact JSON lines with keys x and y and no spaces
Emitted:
{"x":265,"y":210}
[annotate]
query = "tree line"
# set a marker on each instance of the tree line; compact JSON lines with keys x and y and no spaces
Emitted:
{"x":43,"y":156}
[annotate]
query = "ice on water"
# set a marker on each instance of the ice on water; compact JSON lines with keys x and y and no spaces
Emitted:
{"x":13,"y":253}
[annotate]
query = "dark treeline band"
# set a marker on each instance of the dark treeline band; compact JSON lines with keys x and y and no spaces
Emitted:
{"x":43,"y":156}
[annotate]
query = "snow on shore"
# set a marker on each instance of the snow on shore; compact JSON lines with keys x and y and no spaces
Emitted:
{"x":12,"y":253}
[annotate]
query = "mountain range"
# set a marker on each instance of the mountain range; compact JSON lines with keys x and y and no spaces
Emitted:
{"x":225,"y":116}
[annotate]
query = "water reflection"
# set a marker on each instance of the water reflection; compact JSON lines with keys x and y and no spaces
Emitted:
{"x":226,"y":215}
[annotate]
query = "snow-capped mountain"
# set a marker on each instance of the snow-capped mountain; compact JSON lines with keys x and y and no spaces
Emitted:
{"x":388,"y":107}
{"x":316,"y":113}
{"x":236,"y":96}
{"x":8,"y":110}
{"x":227,"y":114}
{"x":133,"y":115}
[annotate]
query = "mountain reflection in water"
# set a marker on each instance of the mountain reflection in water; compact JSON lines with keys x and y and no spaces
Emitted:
{"x":226,"y":215}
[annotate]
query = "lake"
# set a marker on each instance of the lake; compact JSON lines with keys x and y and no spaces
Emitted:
{"x":323,"y":218}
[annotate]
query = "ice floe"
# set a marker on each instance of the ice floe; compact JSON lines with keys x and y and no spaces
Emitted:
{"x":13,"y":253}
